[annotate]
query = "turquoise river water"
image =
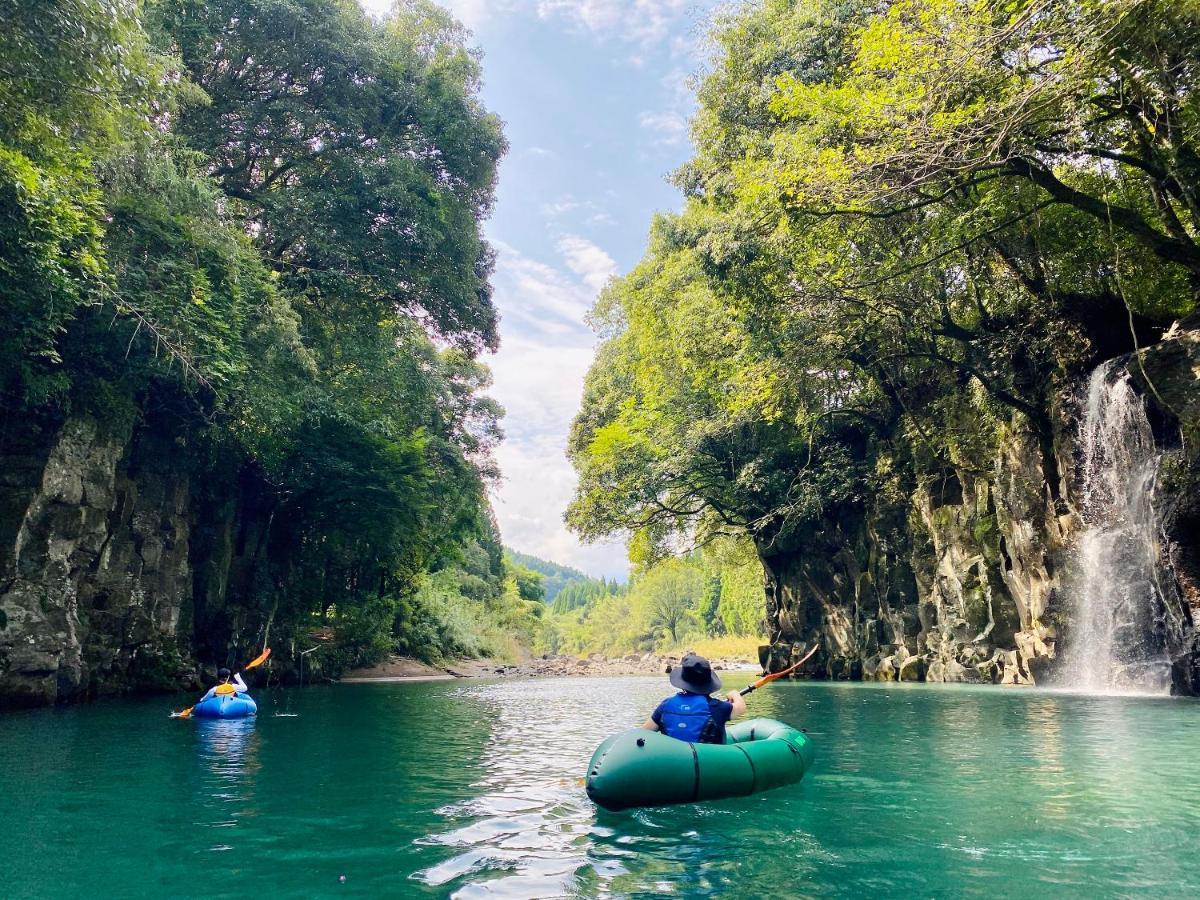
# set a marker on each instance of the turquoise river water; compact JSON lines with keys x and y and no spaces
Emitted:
{"x":472,"y":789}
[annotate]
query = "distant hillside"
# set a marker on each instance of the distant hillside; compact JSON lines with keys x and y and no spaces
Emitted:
{"x":556,"y":577}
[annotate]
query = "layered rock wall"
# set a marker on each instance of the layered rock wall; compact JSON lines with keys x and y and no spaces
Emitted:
{"x":1169,"y":375}
{"x":94,"y":571}
{"x":956,"y":583}
{"x":965,"y":580}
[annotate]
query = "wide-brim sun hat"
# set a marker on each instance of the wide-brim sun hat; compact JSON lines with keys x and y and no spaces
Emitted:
{"x":695,"y":674}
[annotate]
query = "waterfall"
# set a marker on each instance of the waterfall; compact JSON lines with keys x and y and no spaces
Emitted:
{"x":1116,"y":640}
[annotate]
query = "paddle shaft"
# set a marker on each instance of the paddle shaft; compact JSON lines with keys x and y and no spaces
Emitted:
{"x":767,"y":679}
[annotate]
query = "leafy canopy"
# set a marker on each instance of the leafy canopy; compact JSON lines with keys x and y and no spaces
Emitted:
{"x":905,"y":226}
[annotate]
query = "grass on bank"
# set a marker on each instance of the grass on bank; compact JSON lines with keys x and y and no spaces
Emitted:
{"x":730,"y":646}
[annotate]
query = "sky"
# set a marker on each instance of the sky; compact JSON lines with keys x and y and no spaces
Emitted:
{"x":595,"y":96}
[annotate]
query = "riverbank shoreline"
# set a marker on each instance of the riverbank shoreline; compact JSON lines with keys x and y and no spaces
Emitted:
{"x":398,"y":668}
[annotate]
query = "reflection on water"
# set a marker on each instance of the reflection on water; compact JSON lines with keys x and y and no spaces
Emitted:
{"x":530,"y":824}
{"x":1042,"y":721}
{"x":530,"y":831}
{"x":227,"y":748}
{"x":227,"y":755}
{"x":444,"y":789}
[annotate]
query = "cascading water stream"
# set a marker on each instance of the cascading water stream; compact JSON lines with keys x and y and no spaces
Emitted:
{"x":1116,"y":637}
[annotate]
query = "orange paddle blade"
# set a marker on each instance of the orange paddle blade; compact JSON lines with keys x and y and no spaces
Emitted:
{"x":183,"y":715}
{"x":260,"y":659}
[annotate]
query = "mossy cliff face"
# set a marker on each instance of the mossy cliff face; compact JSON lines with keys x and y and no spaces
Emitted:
{"x":94,"y":572}
{"x":123,"y":559}
{"x":965,"y":579}
{"x":955,"y":583}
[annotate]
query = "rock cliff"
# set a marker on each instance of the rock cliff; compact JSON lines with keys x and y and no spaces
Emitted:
{"x":131,"y":552}
{"x":117,"y":562}
{"x":94,"y":571}
{"x":1169,"y":375}
{"x":963,"y":578}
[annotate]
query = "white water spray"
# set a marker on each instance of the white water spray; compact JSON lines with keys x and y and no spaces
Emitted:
{"x":1116,"y":642}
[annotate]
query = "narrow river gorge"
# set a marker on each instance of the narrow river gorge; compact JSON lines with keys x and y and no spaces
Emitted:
{"x":891,"y":388}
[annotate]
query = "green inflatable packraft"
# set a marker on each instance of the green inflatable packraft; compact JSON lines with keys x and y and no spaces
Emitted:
{"x":645,"y":768}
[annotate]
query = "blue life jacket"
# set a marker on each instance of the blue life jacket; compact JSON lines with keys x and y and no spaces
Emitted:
{"x":688,"y":718}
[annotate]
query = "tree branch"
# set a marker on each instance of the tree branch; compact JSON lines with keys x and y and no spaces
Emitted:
{"x":1169,"y":248}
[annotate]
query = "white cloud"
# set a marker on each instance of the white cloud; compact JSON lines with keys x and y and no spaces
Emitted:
{"x":586,"y":211}
{"x":678,"y":84}
{"x":472,"y":13}
{"x":668,"y":127}
{"x":641,"y":22}
{"x":541,"y":296}
{"x":670,"y":124}
{"x":377,"y":8}
{"x":540,"y":385}
{"x":560,"y":207}
{"x":538,"y":376}
{"x":636,"y":21}
{"x":587,"y":261}
{"x":531,"y":520}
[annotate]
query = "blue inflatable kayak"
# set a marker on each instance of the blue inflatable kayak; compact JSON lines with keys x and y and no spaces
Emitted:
{"x":226,"y":706}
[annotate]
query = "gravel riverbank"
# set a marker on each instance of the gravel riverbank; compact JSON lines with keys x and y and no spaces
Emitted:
{"x":401,"y":668}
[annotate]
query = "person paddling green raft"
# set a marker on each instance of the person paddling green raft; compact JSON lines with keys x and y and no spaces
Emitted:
{"x":692,"y":715}
{"x":692,"y":756}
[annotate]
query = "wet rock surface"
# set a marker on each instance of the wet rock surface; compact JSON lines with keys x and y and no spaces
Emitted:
{"x":1168,"y":374}
{"x":966,"y":579}
{"x":956,"y":584}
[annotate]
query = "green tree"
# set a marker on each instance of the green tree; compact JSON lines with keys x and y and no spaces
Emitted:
{"x":670,"y":593}
{"x":361,"y":162}
{"x":904,"y":225}
{"x":75,"y":77}
{"x":580,"y":594}
{"x":281,"y":203}
{"x":529,"y":583}
{"x":360,"y":154}
{"x":708,"y":610}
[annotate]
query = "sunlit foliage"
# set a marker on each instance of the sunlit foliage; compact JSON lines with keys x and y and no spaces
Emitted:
{"x":668,"y":606}
{"x":906,"y":226}
{"x":257,"y":223}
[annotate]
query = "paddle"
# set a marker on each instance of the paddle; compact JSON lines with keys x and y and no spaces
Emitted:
{"x":767,"y":679}
{"x":257,"y":661}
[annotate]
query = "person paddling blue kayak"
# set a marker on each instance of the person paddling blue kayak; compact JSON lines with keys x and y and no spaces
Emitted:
{"x":229,"y":698}
{"x":226,"y":684}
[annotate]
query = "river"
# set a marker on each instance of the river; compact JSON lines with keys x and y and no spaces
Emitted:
{"x":471,"y":789}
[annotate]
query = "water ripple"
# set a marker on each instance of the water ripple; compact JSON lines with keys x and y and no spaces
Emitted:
{"x":441,"y":789}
